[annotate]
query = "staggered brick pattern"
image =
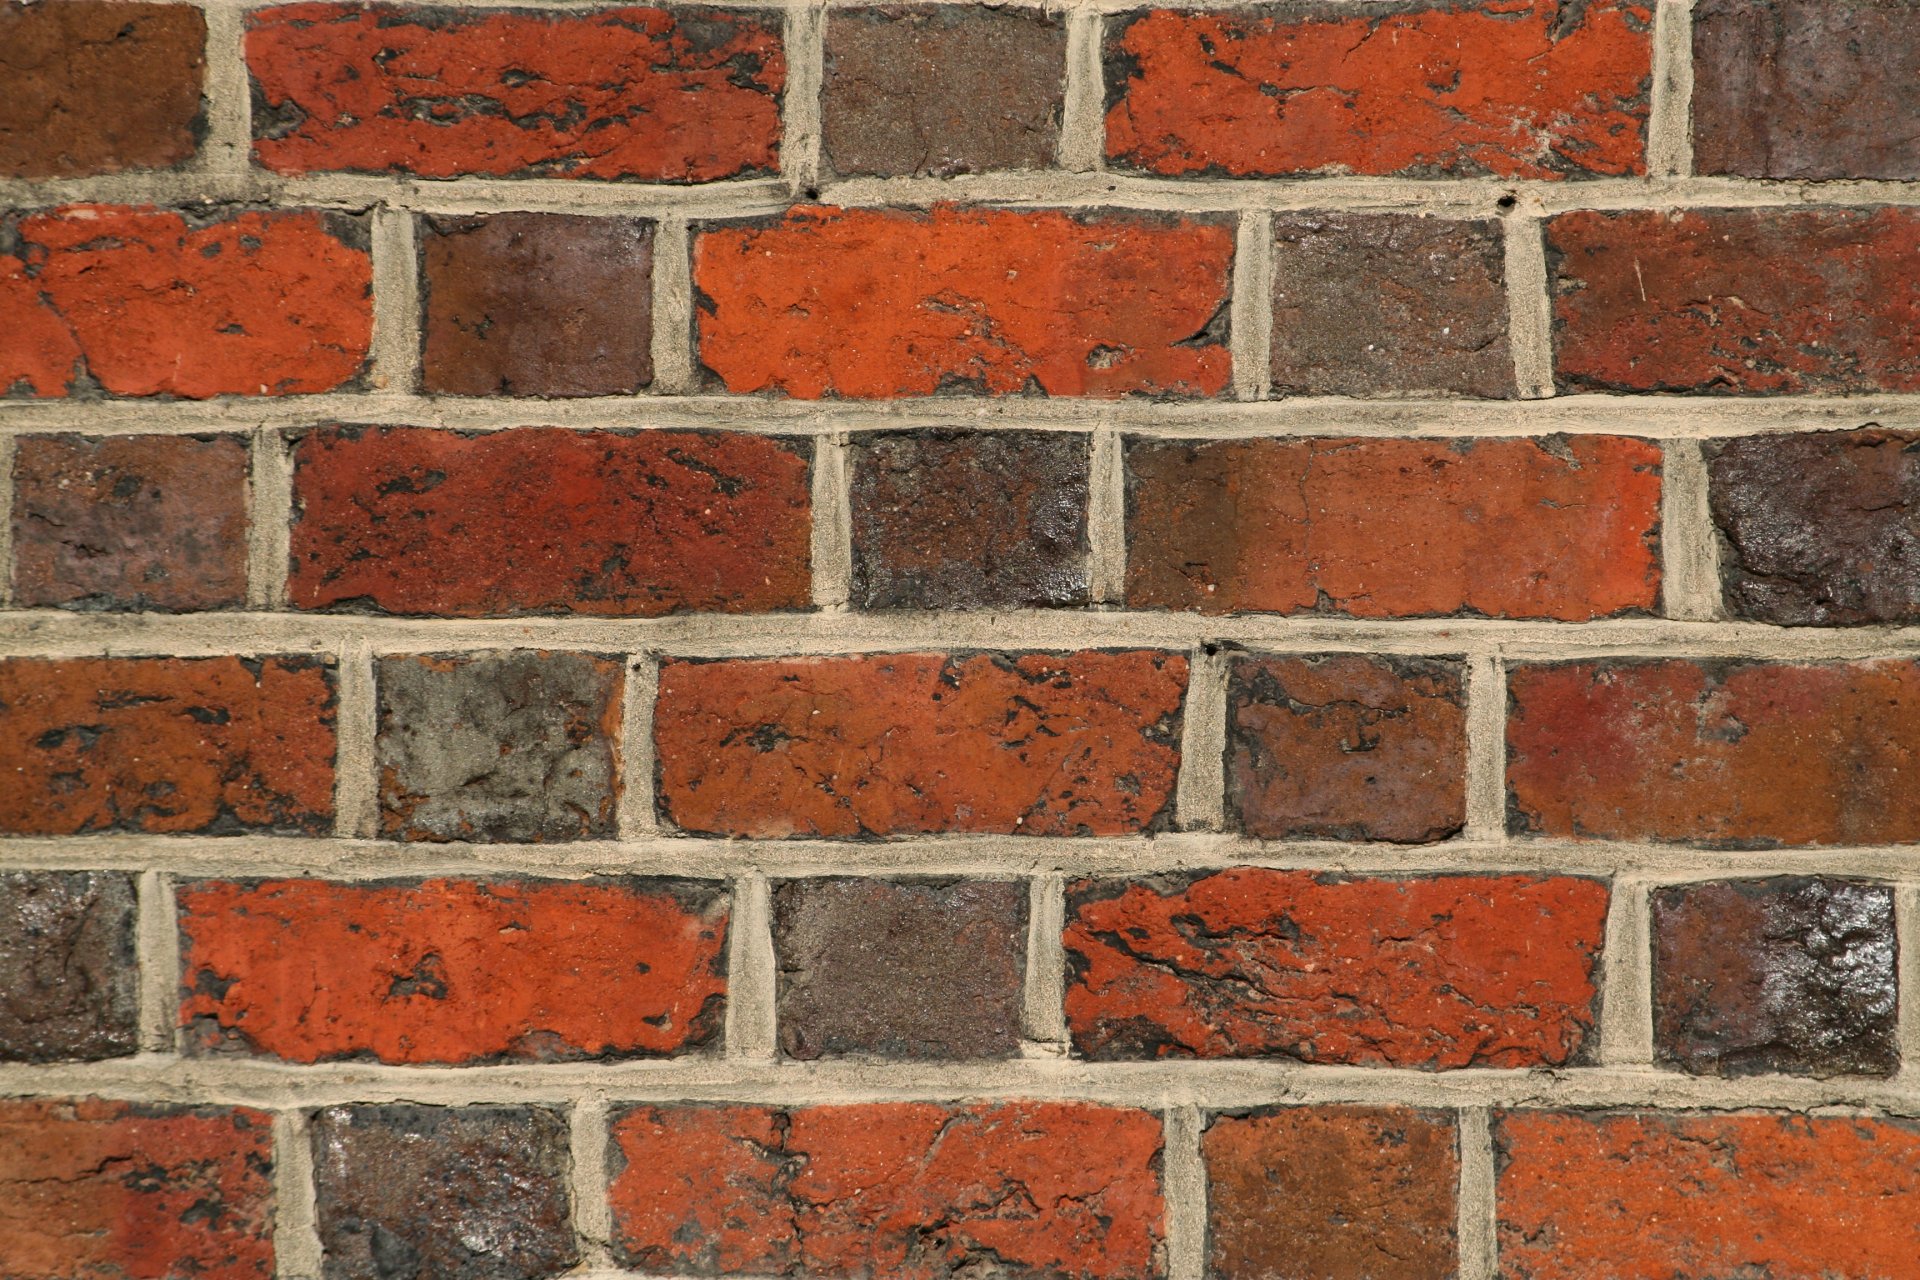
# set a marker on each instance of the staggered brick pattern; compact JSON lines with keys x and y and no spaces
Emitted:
{"x":1261,"y":640}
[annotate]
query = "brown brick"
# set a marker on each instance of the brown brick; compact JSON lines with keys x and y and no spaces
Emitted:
{"x":537,"y":304}
{"x":1389,"y":304}
{"x":1738,"y":754}
{"x":130,"y":522}
{"x":94,"y":87}
{"x":942,"y":90}
{"x":1347,"y":747}
{"x":900,"y":969}
{"x":161,"y":745}
{"x":1331,"y":1193}
{"x":1818,"y":529}
{"x":896,"y":744}
{"x":1378,"y":528}
{"x":69,"y":985}
{"x":467,"y":1193}
{"x":1787,"y":975}
{"x":983,"y":520}
{"x":515,"y":746}
{"x":1805,"y":89}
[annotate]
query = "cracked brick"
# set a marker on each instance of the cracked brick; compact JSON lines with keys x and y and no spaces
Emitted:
{"x":69,"y":981}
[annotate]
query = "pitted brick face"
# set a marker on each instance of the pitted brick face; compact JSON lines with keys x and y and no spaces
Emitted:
{"x":68,"y":974}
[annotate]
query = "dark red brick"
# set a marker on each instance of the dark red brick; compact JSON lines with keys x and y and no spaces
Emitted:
{"x":69,"y":981}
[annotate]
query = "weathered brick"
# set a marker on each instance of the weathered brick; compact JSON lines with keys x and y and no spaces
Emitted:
{"x":1746,"y":301}
{"x":123,"y":1191}
{"x":466,"y":1193}
{"x":900,"y":969}
{"x":667,"y":95}
{"x":1793,"y":974}
{"x":409,"y":520}
{"x":215,"y":745}
{"x":69,"y":985}
{"x":1804,"y":89}
{"x":942,"y":90}
{"x":130,"y":522}
{"x":1329,"y":1193}
{"x":452,"y":971}
{"x":1379,"y":528}
{"x":1512,"y":88}
{"x":907,"y":1190}
{"x":1347,"y":747}
{"x":1739,"y":754}
{"x":537,"y":304}
{"x":1433,"y":972}
{"x":517,"y":746}
{"x":94,"y":87}
{"x":959,"y":520}
{"x":1389,"y":304}
{"x":1787,"y":1196}
{"x":895,"y":744}
{"x":874,"y":303}
{"x":1818,"y":529}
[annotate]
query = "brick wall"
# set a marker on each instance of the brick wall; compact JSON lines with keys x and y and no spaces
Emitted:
{"x":943,"y":641}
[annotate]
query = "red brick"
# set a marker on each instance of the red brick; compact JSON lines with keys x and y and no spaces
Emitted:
{"x":668,"y":95}
{"x":409,"y":520}
{"x":1731,"y":753}
{"x":120,"y":1191}
{"x":1433,"y":972}
{"x":1744,"y":301}
{"x":873,"y":303}
{"x":1513,"y":88}
{"x":144,"y":302}
{"x":217,"y":745}
{"x":909,"y":1190}
{"x":1655,"y":1197}
{"x":895,"y":744}
{"x":1374,"y":528}
{"x":452,"y":971}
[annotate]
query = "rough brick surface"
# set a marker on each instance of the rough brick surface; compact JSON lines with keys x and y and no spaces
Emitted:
{"x":1433,"y":972}
{"x":1328,"y":1193}
{"x":1790,"y":1197}
{"x":517,"y":746}
{"x":909,"y":1190}
{"x":469,"y":1193}
{"x":1818,"y":529}
{"x":537,"y":304}
{"x":1373,"y":528}
{"x":1743,"y":754}
{"x":875,"y":303}
{"x":216,"y":745}
{"x":1035,"y":744}
{"x":976,"y":520}
{"x":122,"y":1191}
{"x":69,"y":988}
{"x":942,"y":90}
{"x":667,"y":95}
{"x":407,"y":520}
{"x":1389,"y":304}
{"x":1347,"y":747}
{"x":1512,"y":88}
{"x":1746,"y":301}
{"x":452,"y":971}
{"x":95,"y":87}
{"x":1786,"y":975}
{"x":1806,"y":90}
{"x":130,"y":522}
{"x":900,"y":969}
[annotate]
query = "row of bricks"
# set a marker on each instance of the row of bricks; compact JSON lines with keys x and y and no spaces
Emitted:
{"x":527,"y":746}
{"x":1788,"y":975}
{"x":1814,"y":528}
{"x":885,"y":302}
{"x":927,"y":1191}
{"x":1511,"y":88}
